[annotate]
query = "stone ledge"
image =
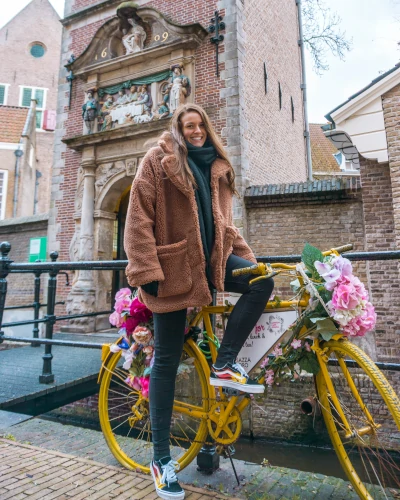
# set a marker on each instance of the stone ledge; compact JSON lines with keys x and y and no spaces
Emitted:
{"x":29,"y":219}
{"x":317,"y":190}
{"x":79,"y":142}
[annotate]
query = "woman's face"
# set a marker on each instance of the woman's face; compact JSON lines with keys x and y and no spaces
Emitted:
{"x":193,"y":128}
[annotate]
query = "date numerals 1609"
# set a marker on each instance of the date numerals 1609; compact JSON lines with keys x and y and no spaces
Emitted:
{"x":103,"y":55}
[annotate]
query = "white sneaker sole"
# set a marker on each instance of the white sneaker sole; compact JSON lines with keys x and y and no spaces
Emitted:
{"x":165,"y":494}
{"x":253,"y":389}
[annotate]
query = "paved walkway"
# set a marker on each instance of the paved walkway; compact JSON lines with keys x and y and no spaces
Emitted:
{"x":257,"y":482}
{"x":36,"y":474}
{"x":20,"y":369}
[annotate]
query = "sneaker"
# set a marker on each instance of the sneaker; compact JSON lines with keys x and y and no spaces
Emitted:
{"x":165,"y":480}
{"x":235,"y":376}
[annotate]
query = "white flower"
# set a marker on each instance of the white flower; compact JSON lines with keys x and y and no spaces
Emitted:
{"x":114,"y":348}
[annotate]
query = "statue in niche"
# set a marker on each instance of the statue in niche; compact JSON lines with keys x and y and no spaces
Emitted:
{"x":122,"y":99}
{"x":106,"y":113}
{"x":180,"y":87}
{"x":162,"y":107}
{"x":133,"y":39}
{"x":90,"y":111}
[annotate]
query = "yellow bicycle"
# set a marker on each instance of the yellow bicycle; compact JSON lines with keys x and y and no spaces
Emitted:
{"x":360,"y":408}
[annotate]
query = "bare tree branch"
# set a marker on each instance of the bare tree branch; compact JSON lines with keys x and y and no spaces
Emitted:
{"x":322,"y":34}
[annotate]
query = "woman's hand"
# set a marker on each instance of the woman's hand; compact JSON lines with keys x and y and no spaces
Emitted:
{"x":151,"y":288}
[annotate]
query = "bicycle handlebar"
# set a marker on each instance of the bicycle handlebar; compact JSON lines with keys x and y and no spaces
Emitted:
{"x":261,"y":269}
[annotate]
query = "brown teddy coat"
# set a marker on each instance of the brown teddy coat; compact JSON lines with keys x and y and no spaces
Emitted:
{"x":162,"y":234}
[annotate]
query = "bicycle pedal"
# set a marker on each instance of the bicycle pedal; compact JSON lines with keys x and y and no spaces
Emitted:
{"x":231,"y":392}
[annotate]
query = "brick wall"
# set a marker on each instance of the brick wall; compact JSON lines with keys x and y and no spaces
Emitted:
{"x":384,"y":281}
{"x":20,"y":68}
{"x":275,"y":144}
{"x":20,"y":286}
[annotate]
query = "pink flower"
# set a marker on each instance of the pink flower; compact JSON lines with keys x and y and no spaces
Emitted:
{"x":122,"y":304}
{"x":264,"y":362}
{"x":269,"y":377}
{"x":343,"y":265}
{"x":145,"y":384}
{"x":307,"y":346}
{"x":131,"y":324}
{"x":140,"y":311}
{"x":345,"y":297}
{"x":296,"y":344}
{"x":133,"y":382}
{"x":360,"y":325}
{"x":277,"y":351}
{"x":123,"y":293}
{"x":115,"y":319}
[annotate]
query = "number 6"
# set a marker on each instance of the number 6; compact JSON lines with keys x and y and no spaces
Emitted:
{"x":104,"y":53}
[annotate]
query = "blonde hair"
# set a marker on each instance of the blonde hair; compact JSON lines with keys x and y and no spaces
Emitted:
{"x":180,"y":149}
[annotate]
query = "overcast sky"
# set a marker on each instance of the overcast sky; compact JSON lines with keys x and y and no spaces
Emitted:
{"x":374,"y":26}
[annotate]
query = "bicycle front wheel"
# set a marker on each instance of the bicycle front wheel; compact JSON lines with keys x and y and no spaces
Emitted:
{"x":125,"y":417}
{"x":362,"y":415}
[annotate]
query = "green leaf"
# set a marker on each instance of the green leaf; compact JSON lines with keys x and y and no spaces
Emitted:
{"x":309,"y":363}
{"x":326,"y":328}
{"x":147,"y":371}
{"x":295,"y":285}
{"x":309,"y":256}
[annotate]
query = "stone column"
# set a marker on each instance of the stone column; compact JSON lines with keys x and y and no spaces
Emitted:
{"x":82,"y":298}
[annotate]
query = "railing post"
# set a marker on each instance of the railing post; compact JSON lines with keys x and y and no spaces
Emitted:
{"x":47,"y":376}
{"x":36,"y":306}
{"x":5,"y":262}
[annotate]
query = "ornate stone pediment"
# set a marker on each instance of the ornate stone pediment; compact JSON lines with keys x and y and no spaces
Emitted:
{"x":134,"y":34}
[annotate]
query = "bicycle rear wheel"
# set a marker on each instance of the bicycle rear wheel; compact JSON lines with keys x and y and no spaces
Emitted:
{"x":125,"y":418}
{"x":370,"y":452}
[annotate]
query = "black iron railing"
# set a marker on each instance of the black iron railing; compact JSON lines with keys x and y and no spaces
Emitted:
{"x":54,"y":268}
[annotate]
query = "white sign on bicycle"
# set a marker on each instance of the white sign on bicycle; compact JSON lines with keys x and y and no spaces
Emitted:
{"x":268,"y":330}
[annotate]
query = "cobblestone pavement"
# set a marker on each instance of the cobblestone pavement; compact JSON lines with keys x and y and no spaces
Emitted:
{"x":37,"y":474}
{"x":257,"y":482}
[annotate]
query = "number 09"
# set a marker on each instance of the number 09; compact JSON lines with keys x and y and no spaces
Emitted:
{"x":164,"y":37}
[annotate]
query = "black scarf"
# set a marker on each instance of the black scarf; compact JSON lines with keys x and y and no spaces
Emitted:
{"x":200,"y":160}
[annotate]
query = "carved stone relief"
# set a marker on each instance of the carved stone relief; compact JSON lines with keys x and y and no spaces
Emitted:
{"x":105,"y":171}
{"x":131,"y":167}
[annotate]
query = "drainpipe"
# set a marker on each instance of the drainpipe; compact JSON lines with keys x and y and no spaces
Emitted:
{"x":18,"y":153}
{"x":35,"y":199}
{"x":303,"y":87}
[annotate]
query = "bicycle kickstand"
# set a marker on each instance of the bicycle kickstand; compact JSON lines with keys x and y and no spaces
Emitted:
{"x":228,"y":451}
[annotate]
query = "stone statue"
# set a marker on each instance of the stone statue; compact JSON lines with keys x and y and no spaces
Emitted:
{"x":162,"y":107}
{"x":134,"y":94}
{"x":105,"y":113}
{"x":90,"y":111}
{"x":122,"y":99}
{"x":133,"y":40}
{"x":180,"y":87}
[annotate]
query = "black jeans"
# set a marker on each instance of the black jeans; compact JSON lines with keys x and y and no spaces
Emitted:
{"x":169,"y":332}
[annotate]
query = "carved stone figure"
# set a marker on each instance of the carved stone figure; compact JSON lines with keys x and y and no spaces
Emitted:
{"x":106,"y":113}
{"x":131,"y":167}
{"x":122,"y":99}
{"x":133,"y":40}
{"x":145,"y":99}
{"x":90,"y":111}
{"x":180,"y":87}
{"x":134,"y":94}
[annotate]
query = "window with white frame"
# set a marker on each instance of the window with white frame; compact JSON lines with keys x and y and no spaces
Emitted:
{"x":3,"y":192}
{"x":3,"y":93}
{"x":29,"y":93}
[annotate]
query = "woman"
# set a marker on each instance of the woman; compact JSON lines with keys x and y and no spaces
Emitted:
{"x":181,"y":242}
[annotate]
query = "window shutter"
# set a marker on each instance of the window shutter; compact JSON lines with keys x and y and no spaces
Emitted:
{"x":26,"y":97}
{"x":39,"y":95}
{"x":2,"y":93}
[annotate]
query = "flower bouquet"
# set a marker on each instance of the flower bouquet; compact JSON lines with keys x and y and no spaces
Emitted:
{"x":136,"y":325}
{"x":339,"y":305}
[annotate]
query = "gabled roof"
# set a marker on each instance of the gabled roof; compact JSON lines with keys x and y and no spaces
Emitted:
{"x":322,"y":151}
{"x":378,"y":80}
{"x":12,"y":123}
{"x":34,"y":4}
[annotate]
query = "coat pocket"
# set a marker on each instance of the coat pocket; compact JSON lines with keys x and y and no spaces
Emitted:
{"x":174,"y":261}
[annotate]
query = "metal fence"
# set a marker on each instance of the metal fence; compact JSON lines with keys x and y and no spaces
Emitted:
{"x":54,"y":268}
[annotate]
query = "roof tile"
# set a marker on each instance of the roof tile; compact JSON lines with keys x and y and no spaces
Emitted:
{"x":12,"y":122}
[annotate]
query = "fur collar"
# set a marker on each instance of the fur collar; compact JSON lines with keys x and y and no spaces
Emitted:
{"x":219,"y":168}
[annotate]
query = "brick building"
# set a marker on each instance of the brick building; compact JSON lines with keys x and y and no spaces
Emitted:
{"x":30,"y":45}
{"x":255,"y":104}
